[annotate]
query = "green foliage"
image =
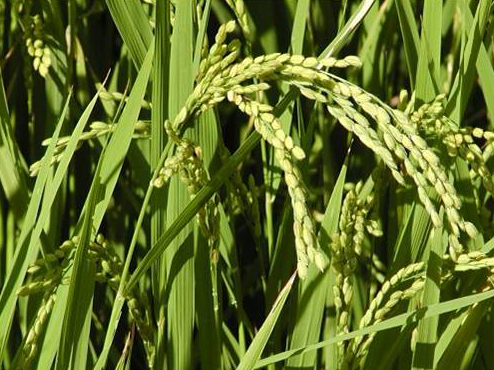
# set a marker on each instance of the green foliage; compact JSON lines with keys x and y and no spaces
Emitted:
{"x":170,"y":193}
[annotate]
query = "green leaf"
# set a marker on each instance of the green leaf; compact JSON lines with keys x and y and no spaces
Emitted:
{"x":192,"y":207}
{"x":133,"y":25}
{"x":12,"y":168}
{"x":423,"y":356}
{"x":429,"y":54}
{"x":27,"y":245}
{"x":399,"y":320}
{"x":111,"y":166}
{"x":410,"y":35}
{"x":465,"y":76}
{"x":74,"y":341}
{"x":161,"y":86}
{"x":179,"y":267}
{"x":256,"y":347}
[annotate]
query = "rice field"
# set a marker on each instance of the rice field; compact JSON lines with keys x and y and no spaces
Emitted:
{"x":246,"y":184}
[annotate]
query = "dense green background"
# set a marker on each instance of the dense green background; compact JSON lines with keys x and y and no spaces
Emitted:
{"x":148,"y":51}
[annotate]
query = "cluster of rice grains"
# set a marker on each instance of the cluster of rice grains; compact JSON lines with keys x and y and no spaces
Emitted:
{"x":49,"y":272}
{"x":37,"y":48}
{"x":398,"y":143}
{"x":406,"y":283}
{"x":188,"y":163}
{"x":346,"y":246}
{"x":472,"y":144}
{"x":219,"y":78}
{"x":395,"y":136}
{"x":34,"y":36}
{"x":98,"y":128}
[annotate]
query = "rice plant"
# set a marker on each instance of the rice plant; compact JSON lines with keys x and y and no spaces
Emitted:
{"x":246,"y":184}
